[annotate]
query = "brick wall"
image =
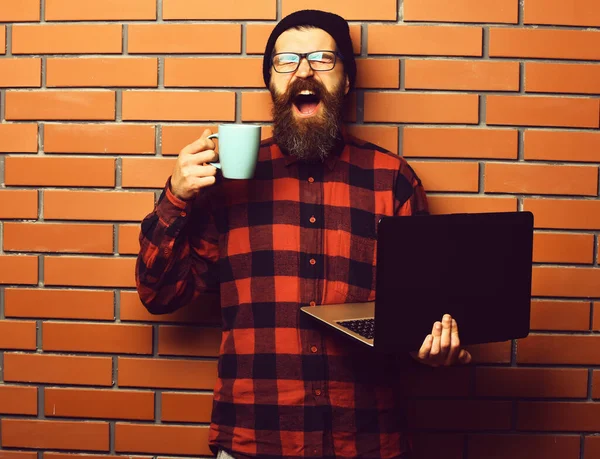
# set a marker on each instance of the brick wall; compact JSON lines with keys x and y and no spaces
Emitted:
{"x":494,"y":102}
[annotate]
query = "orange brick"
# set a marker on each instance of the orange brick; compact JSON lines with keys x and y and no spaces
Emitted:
{"x":101,"y":72}
{"x":175,"y":138}
{"x":421,"y":108}
{"x":563,"y":248}
{"x":425,"y":40}
{"x":592,"y":447}
{"x":378,"y":73}
{"x":257,"y":36}
{"x":545,"y":43}
{"x":491,"y":352}
{"x":542,"y":111}
{"x":18,"y":204}
{"x":53,"y":455}
{"x":18,"y":138}
{"x":559,"y":349}
{"x":460,"y":143}
{"x":569,"y":282}
{"x":162,"y":439}
{"x":178,"y":106}
{"x":562,"y":78}
{"x":18,"y":269}
{"x":470,"y":204}
{"x":467,"y":414}
{"x":351,"y":10}
{"x":562,"y":145}
{"x":383,"y":136}
{"x":206,"y":311}
{"x":24,"y":10}
{"x":67,"y":39}
{"x":18,"y":400}
{"x":489,"y":11}
{"x":21,"y":72}
{"x":58,"y":237}
{"x":447,"y":176}
{"x":465,"y":75}
{"x":256,"y":106}
{"x":541,"y":179}
{"x":105,"y":338}
{"x":596,"y":317}
{"x":88,"y":271}
{"x":428,"y":445}
{"x":560,"y":315}
{"x":2,"y":39}
{"x":214,"y":72}
{"x":94,"y":403}
{"x":551,"y":12}
{"x":18,"y":335}
{"x":96,"y":205}
{"x":184,"y":38}
{"x":128,"y":243}
{"x":48,"y":171}
{"x":60,"y":105}
{"x":107,"y":10}
{"x":189,"y":341}
{"x":181,"y":407}
{"x":146,"y":172}
{"x":564,"y":213}
{"x":564,"y":416}
{"x":531,"y":382}
{"x":226,"y":9}
{"x":168,"y":374}
{"x":66,"y":304}
{"x":523,"y":446}
{"x":58,"y":369}
{"x":99,"y":138}
{"x":84,"y":436}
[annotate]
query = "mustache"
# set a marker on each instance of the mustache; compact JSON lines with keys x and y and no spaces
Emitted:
{"x":298,"y":86}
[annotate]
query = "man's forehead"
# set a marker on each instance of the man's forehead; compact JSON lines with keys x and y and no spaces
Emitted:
{"x":304,"y":40}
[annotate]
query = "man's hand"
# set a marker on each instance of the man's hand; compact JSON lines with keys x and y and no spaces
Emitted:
{"x":191,"y":171}
{"x":442,"y":346}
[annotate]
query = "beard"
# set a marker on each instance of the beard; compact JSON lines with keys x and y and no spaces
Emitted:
{"x":309,"y":139}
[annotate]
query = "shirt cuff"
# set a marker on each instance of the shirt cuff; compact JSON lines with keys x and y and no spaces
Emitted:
{"x":172,"y":208}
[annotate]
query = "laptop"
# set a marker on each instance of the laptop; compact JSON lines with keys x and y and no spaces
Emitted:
{"x":476,"y":267}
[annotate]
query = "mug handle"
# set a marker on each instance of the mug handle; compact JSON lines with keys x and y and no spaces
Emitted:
{"x":213,"y":136}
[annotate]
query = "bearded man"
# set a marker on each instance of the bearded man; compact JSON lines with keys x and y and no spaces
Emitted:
{"x":301,"y":232}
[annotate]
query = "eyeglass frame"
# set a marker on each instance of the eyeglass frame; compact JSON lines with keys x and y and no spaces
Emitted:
{"x":301,"y":56}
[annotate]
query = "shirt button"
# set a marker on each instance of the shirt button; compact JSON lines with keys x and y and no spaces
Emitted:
{"x":317,"y":392}
{"x":183,"y":214}
{"x":313,"y":349}
{"x":312,"y":303}
{"x":312,"y":261}
{"x":310,"y":179}
{"x":312,"y":219}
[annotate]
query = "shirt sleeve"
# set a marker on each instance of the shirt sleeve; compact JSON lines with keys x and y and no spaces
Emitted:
{"x":409,"y":195}
{"x":178,"y":254}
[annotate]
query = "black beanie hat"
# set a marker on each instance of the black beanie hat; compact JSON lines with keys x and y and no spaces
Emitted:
{"x":334,"y":25}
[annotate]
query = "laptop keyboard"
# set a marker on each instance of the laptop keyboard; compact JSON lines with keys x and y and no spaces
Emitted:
{"x":363,"y":327}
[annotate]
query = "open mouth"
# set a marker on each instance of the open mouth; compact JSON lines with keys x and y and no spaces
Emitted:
{"x":307,"y":103}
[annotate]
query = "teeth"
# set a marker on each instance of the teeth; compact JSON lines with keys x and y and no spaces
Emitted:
{"x":306,"y":92}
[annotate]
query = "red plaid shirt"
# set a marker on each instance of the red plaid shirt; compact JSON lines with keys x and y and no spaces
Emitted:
{"x":297,"y":234}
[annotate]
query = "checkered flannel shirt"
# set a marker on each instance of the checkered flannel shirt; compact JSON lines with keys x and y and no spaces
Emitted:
{"x":297,"y":234}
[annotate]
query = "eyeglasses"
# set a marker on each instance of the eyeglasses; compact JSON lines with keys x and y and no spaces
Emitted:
{"x":319,"y":61}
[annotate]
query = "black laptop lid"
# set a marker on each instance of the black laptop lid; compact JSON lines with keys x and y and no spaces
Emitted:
{"x":476,"y":267}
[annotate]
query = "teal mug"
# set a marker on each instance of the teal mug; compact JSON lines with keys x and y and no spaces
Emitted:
{"x":238,"y":150}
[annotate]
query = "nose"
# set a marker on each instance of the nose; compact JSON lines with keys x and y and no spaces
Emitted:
{"x":304,"y":70}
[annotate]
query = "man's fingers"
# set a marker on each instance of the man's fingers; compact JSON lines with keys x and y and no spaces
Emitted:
{"x":436,"y":333}
{"x":203,"y":157}
{"x":454,"y":344}
{"x":446,"y":335}
{"x":199,"y":144}
{"x":425,"y":347}
{"x":464,"y":357}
